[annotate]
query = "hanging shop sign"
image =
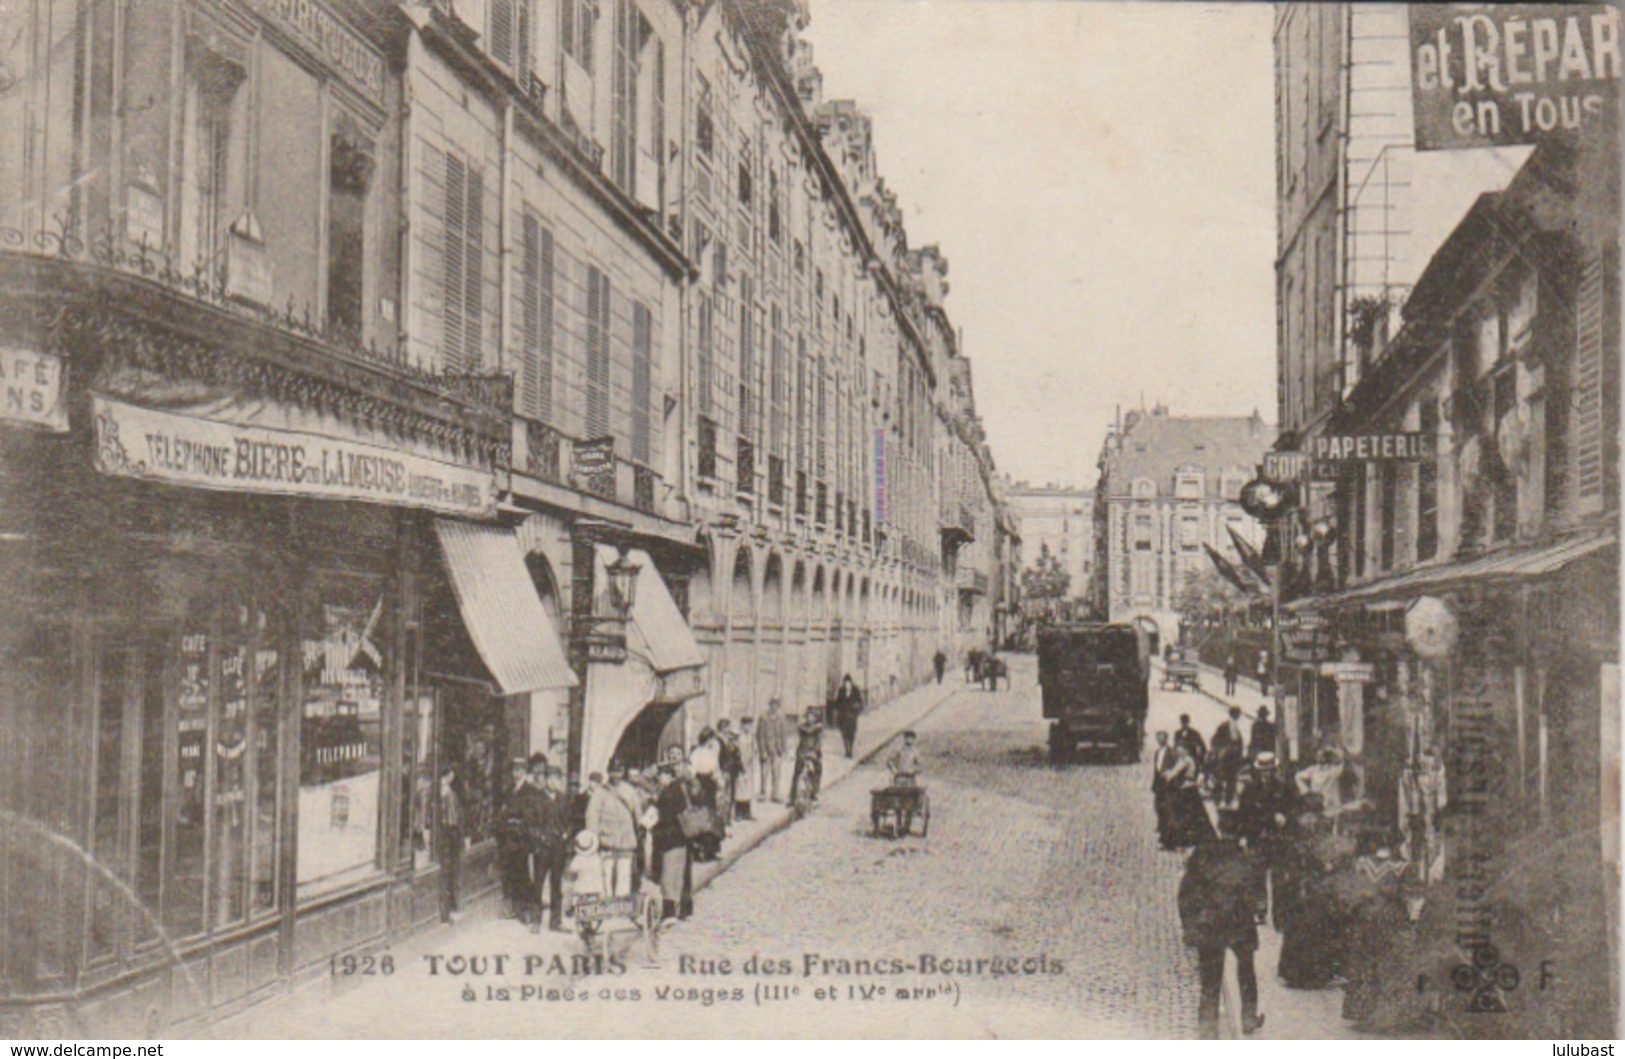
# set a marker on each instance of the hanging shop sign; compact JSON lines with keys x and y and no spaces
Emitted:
{"x":1431,"y":629}
{"x":1349,"y":672}
{"x":1305,"y":646}
{"x":136,"y":442}
{"x":31,"y":389}
{"x":592,"y":467}
{"x":1486,"y":75}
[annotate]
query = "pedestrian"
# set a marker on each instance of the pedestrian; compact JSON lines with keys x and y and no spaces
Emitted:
{"x":615,"y":825}
{"x":1305,"y":903}
{"x":1187,"y":817}
{"x":730,"y":766}
{"x":451,"y":845}
{"x":809,"y":758}
{"x":904,"y":763}
{"x":939,"y":662}
{"x":1262,"y":815}
{"x":535,"y":813}
{"x":512,"y":870}
{"x":848,"y":704}
{"x":1261,"y":740}
{"x":1230,"y":671}
{"x":1189,"y":738}
{"x":705,"y":764}
{"x":1227,"y":755}
{"x":558,"y":832}
{"x":751,"y":764}
{"x":1216,"y":913}
{"x":1162,"y":762}
{"x":772,"y":737}
{"x":629,"y":787}
{"x":675,"y":831}
{"x":1264,"y":673}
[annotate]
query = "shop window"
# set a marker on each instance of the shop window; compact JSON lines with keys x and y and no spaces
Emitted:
{"x":344,"y":649}
{"x":193,"y":681}
{"x":475,"y":745}
{"x":350,"y":169}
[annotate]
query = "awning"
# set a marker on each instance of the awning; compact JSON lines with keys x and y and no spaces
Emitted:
{"x":500,"y":608}
{"x":657,"y":629}
{"x":1507,"y":567}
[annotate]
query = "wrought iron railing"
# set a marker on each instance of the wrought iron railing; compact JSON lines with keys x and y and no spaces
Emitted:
{"x":544,"y":452}
{"x":643,"y":488}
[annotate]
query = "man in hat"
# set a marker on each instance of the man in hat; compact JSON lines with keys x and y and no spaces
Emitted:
{"x":772,"y":737}
{"x":1262,"y":738}
{"x":809,"y":757}
{"x":1216,"y":913}
{"x":615,"y":824}
{"x":730,"y":766}
{"x":904,"y":762}
{"x":751,"y":763}
{"x":1228,"y":746}
{"x":1189,"y":738}
{"x":1267,"y":804}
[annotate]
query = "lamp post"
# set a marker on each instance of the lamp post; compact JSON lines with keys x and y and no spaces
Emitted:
{"x":1273,"y":505}
{"x":599,"y":634}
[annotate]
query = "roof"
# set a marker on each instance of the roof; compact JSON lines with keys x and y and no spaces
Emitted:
{"x":500,"y":608}
{"x":1158,"y":445}
{"x":1509,"y":566}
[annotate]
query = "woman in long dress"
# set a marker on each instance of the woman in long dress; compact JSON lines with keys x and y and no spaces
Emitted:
{"x":673,"y":850}
{"x":1188,"y":823}
{"x":1305,"y":907}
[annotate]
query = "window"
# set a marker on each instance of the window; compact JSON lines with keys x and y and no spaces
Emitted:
{"x":704,"y":128}
{"x":747,"y":360}
{"x":463,"y":275}
{"x":1357,"y":540}
{"x":632,"y":35}
{"x":509,"y":37}
{"x":212,"y":119}
{"x":744,"y":178}
{"x":1427,"y":486}
{"x":536,"y":317}
{"x":345,"y":647}
{"x":708,"y":448}
{"x":576,"y":18}
{"x":642,"y":382}
{"x":598,"y":294}
{"x":778,"y":378}
{"x":706,"y":355}
{"x":774,"y":230}
{"x":1504,"y":475}
{"x":350,"y":169}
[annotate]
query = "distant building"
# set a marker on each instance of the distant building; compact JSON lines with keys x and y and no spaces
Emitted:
{"x":1168,"y":485}
{"x":1060,"y":518}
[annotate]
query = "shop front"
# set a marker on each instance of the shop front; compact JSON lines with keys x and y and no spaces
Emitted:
{"x":221,"y":704}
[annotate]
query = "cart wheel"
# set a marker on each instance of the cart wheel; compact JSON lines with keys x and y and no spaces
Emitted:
{"x":925,"y":814}
{"x":874,"y":825}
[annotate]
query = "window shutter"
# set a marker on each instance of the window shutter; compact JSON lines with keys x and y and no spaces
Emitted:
{"x":642,"y":382}
{"x":522,"y":33}
{"x":502,"y":38}
{"x":597,"y":353}
{"x":1587,"y":397}
{"x":473,"y":271}
{"x":537,"y":315}
{"x":451,"y":290}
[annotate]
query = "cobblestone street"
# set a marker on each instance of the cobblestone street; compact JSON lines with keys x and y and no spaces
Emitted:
{"x":1022,"y":862}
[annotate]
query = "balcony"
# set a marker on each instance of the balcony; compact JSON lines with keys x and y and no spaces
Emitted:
{"x":971,"y":581}
{"x":956,"y":522}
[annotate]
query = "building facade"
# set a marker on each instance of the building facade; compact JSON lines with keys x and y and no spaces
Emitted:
{"x":1168,"y":486}
{"x":397,"y":390}
{"x":1062,"y":520}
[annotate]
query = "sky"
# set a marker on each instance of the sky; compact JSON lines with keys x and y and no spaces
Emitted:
{"x":1101,"y":179}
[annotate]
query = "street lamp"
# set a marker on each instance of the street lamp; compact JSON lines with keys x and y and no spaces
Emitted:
{"x":1273,"y":504}
{"x":623,"y":584}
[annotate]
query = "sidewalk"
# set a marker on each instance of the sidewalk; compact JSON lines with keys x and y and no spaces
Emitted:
{"x":1290,"y":1013}
{"x":370,"y":999}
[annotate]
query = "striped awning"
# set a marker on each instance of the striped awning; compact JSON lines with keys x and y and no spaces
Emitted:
{"x":500,"y":608}
{"x":657,"y":626}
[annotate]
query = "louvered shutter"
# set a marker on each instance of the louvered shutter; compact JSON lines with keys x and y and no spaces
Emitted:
{"x":1587,"y":397}
{"x":502,"y":36}
{"x":642,"y":382}
{"x":451,"y":288}
{"x":597,"y":353}
{"x":474,"y":272}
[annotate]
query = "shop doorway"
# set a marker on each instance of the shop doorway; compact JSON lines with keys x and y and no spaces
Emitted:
{"x":651,"y":731}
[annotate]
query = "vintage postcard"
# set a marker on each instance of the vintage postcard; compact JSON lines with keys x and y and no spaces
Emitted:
{"x":510,"y":527}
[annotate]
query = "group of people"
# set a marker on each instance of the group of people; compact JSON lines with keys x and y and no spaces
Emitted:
{"x":630,"y":829}
{"x":1232,"y":671}
{"x":1186,"y":763}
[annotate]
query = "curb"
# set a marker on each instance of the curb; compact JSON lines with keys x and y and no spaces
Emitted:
{"x":729,"y":859}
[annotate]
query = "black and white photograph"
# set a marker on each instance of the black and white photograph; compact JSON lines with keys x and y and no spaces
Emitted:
{"x":511,"y":528}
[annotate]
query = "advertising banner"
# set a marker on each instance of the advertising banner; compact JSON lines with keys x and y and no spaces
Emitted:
{"x":31,"y":389}
{"x":1490,"y":75}
{"x":136,"y":442}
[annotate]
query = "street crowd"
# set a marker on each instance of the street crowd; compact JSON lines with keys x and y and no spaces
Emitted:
{"x":641,"y":831}
{"x":1302,"y":853}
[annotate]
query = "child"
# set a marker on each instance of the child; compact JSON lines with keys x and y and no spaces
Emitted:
{"x":586,"y":872}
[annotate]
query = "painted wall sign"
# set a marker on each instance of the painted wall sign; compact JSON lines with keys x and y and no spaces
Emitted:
{"x":135,"y":442}
{"x":592,"y":467}
{"x":1485,"y":75}
{"x":321,"y":31}
{"x":31,"y":391}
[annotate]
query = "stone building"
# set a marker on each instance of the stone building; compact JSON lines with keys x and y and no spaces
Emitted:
{"x":1062,"y":519}
{"x":418,"y":386}
{"x":1168,"y":485}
